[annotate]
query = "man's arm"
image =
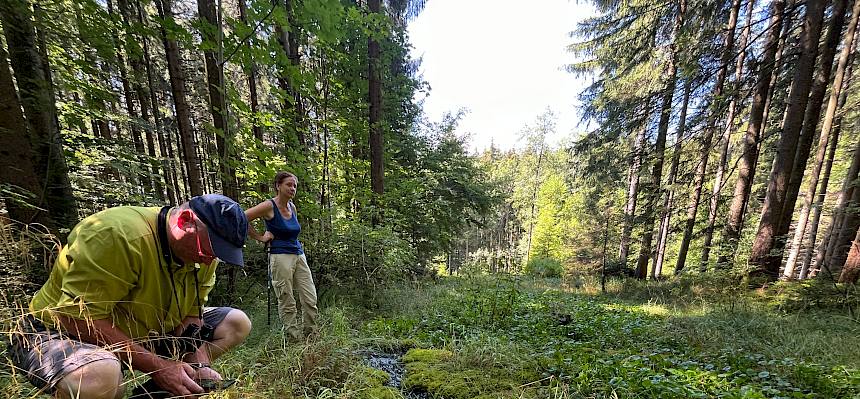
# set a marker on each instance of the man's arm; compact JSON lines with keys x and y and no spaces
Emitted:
{"x":170,"y":375}
{"x":201,"y":356}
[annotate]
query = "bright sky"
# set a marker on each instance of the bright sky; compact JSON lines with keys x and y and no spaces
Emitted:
{"x":503,"y":61}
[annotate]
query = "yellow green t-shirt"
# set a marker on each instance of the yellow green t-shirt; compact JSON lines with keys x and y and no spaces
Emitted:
{"x":112,"y":268}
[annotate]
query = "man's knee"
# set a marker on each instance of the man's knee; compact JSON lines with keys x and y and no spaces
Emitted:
{"x":236,"y":325}
{"x":98,"y":379}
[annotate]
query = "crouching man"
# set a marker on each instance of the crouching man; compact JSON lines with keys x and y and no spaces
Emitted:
{"x":129,"y":288}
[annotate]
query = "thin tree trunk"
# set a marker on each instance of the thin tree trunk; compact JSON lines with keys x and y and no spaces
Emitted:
{"x":736,"y":100}
{"x":825,"y":180}
{"x":767,"y":262}
{"x":218,"y":95}
{"x":534,"y":201}
{"x":668,"y":201}
{"x":847,"y":233}
{"x":660,"y":149}
{"x":746,"y":165}
{"x":128,"y":95}
{"x":375,"y":93}
{"x":37,"y":99}
{"x":183,"y":112}
{"x":830,"y":242}
{"x":729,"y":129}
{"x":707,"y":140}
{"x":810,"y":123}
{"x":292,"y":102}
{"x":251,"y":71}
{"x":170,"y":182}
{"x":632,"y":191}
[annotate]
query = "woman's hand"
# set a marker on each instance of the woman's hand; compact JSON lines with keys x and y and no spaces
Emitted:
{"x":266,"y":237}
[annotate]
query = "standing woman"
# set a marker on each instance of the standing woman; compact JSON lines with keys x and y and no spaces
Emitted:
{"x":287,"y":263}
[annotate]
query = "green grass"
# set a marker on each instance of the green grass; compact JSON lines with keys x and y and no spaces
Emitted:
{"x":511,"y":337}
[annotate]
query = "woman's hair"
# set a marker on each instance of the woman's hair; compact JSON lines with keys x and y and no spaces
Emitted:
{"x":280,"y":176}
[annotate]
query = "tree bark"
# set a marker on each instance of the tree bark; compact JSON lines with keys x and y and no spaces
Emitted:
{"x":632,"y":191}
{"x":707,"y":140}
{"x":843,"y":202}
{"x":847,"y":232}
{"x":749,"y":157}
{"x":16,"y":154}
{"x":766,"y":254}
{"x":149,"y":100}
{"x":375,"y":93}
{"x":825,"y":180}
{"x":292,"y":102}
{"x":37,"y":100}
{"x":251,"y":72}
{"x":851,"y":271}
{"x":668,"y":201}
{"x":183,"y":112}
{"x":211,"y":33}
{"x":810,"y":123}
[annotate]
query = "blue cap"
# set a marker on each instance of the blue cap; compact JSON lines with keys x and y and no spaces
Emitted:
{"x":227,"y":225}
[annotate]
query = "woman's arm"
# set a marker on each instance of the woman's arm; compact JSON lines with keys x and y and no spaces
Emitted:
{"x":262,"y":210}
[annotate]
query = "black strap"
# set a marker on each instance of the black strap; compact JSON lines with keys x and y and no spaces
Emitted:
{"x":162,"y":235}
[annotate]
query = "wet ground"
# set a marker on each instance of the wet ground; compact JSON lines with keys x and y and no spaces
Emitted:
{"x":391,"y":364}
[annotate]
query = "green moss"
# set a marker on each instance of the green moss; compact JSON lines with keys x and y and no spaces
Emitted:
{"x":364,"y":377}
{"x":432,"y":371}
{"x":379,"y":393}
{"x":427,"y":355}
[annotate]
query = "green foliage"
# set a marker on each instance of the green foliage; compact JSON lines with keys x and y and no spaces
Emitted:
{"x":544,"y":267}
{"x":358,"y":255}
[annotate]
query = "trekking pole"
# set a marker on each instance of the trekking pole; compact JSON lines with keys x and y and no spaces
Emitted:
{"x":268,"y":285}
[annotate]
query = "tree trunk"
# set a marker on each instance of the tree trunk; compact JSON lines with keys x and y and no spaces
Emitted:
{"x":183,"y":112}
{"x":632,"y":191}
{"x":375,"y":93}
{"x":251,"y":71}
{"x":729,"y":128}
{"x":211,"y":34}
{"x":746,"y":165}
{"x":851,"y":271}
{"x":16,"y":162}
{"x":292,"y":103}
{"x":149,"y":93}
{"x":37,"y":100}
{"x":825,"y":180}
{"x":831,"y":240}
{"x":766,"y":253}
{"x":660,"y":149}
{"x":810,"y":123}
{"x":668,"y":201}
{"x":707,"y":140}
{"x":847,"y":232}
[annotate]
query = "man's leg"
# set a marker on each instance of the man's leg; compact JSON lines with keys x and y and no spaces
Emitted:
{"x":66,"y":367}
{"x":100,"y":379}
{"x":232,"y":326}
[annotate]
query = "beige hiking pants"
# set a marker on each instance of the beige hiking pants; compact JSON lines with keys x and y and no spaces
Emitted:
{"x":291,"y":272}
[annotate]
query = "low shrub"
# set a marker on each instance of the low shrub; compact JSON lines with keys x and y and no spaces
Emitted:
{"x":544,"y":267}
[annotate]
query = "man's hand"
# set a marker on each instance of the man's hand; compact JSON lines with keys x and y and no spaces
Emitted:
{"x":178,"y":378}
{"x":206,"y":373}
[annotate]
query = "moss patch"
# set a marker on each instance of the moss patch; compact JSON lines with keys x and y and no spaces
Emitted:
{"x":435,"y":372}
{"x":367,"y":383}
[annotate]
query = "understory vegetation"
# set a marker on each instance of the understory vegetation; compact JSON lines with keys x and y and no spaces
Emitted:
{"x":518,"y":337}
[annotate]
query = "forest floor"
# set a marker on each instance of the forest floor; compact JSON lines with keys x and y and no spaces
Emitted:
{"x":517,"y":337}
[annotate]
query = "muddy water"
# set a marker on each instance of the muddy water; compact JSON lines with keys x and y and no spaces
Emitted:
{"x":391,"y":364}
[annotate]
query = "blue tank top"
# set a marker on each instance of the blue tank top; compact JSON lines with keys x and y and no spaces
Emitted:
{"x":286,"y":232}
